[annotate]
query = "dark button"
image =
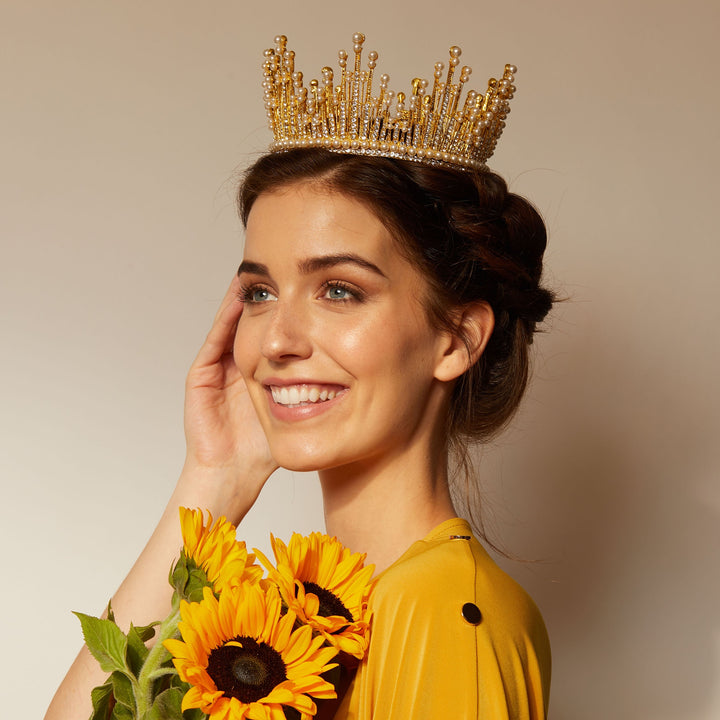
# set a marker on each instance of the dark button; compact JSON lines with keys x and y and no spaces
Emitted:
{"x":471,"y":613}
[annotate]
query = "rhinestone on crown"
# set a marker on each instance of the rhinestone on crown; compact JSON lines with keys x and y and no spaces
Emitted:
{"x":430,"y":127}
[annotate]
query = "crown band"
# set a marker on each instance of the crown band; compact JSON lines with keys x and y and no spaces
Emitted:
{"x":431,"y":127}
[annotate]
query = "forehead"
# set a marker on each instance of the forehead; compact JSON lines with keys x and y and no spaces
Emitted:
{"x":307,"y":219}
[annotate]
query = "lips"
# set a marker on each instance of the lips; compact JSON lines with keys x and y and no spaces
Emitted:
{"x":301,"y":395}
{"x":296,"y":395}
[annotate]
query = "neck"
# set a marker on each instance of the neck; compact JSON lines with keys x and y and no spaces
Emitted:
{"x":381,"y":507}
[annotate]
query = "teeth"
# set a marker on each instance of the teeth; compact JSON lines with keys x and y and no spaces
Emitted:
{"x":294,"y":395}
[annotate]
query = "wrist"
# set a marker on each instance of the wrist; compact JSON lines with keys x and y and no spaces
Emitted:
{"x":224,"y":491}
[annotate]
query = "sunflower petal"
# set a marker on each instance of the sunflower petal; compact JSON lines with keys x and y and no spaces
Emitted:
{"x":214,"y":548}
{"x":248,"y":614}
{"x":324,"y":562}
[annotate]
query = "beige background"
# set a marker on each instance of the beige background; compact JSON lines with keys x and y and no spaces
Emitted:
{"x":123,"y":126}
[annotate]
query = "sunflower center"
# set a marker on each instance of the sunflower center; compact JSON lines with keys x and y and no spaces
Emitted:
{"x":247,"y":673}
{"x":330,"y":604}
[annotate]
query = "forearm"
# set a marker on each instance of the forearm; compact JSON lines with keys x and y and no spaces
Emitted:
{"x":228,"y":461}
{"x":145,"y":594}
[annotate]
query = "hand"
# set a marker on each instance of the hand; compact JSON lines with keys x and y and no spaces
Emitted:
{"x":226,"y":445}
{"x":228,"y":461}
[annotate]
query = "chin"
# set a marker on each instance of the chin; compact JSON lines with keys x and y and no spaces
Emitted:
{"x":301,"y":459}
{"x":300,"y":465}
{"x":311,"y":458}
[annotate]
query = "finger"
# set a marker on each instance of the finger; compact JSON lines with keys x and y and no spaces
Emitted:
{"x":232,"y":294}
{"x":221,"y":337}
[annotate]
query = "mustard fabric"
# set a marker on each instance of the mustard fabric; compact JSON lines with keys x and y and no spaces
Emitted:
{"x":427,"y":662}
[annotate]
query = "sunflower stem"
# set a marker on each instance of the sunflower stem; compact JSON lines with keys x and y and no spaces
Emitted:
{"x":161,"y":672}
{"x":152,"y":667}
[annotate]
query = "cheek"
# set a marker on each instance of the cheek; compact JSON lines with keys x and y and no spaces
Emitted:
{"x":349,"y":341}
{"x":382,"y":345}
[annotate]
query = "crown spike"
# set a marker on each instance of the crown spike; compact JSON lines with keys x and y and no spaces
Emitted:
{"x":372,"y":62}
{"x":358,"y":40}
{"x":431,"y":127}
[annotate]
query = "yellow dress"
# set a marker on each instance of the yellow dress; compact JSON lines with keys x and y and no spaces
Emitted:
{"x":453,"y":638}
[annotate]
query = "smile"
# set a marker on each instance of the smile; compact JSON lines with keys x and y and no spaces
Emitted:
{"x":301,"y":395}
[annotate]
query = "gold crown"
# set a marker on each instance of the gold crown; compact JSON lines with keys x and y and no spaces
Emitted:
{"x":347,"y":117}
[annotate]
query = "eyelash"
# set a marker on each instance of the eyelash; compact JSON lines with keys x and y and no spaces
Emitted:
{"x":247,"y":292}
{"x":355,"y":294}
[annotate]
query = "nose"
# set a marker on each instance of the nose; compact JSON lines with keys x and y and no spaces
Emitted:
{"x":286,"y":335}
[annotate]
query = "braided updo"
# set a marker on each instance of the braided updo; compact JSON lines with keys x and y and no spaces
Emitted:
{"x":472,"y":240}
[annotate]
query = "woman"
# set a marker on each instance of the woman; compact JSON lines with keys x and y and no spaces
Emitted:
{"x":379,"y":323}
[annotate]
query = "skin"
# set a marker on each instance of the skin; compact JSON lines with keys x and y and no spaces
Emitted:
{"x":331,"y":302}
{"x":296,"y":315}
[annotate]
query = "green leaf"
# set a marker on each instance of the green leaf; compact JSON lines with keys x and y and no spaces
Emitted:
{"x":194,"y":714}
{"x":189,"y":579}
{"x":120,"y":712}
{"x":123,"y":690}
{"x":180,"y":688}
{"x":196,"y":582}
{"x":106,"y":641}
{"x":102,"y":701}
{"x":168,"y":704}
{"x":136,"y":652}
{"x":147,"y":632}
{"x":179,"y":574}
{"x":175,"y":681}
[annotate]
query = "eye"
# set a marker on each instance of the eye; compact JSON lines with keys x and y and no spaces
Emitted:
{"x":340,"y":292}
{"x":337,"y":292}
{"x":256,"y":294}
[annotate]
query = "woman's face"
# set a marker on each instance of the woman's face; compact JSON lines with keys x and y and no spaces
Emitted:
{"x":333,"y":342}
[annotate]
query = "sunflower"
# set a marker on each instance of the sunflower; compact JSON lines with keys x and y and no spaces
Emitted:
{"x":326,"y":586}
{"x":214,"y":548}
{"x":243,"y":659}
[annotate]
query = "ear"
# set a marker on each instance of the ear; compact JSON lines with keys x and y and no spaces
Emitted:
{"x":466,"y":344}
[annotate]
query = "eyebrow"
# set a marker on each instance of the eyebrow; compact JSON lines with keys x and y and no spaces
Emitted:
{"x":253,"y":268}
{"x":311,"y":265}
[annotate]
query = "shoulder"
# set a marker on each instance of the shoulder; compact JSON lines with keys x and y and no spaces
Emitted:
{"x":449,"y":569}
{"x":452,"y":631}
